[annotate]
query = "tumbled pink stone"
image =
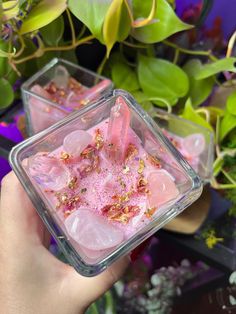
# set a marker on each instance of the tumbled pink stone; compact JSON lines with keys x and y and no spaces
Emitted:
{"x":48,"y":171}
{"x":194,"y":144}
{"x":75,"y":142}
{"x":39,"y":90}
{"x":43,"y":114}
{"x":92,"y":231}
{"x":118,"y":127}
{"x":162,"y":188}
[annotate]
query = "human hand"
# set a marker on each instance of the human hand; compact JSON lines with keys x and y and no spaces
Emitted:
{"x":32,"y":280}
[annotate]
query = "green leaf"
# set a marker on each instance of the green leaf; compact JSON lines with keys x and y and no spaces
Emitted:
{"x":53,"y":32}
{"x":142,"y":99}
{"x":3,"y":60}
{"x":47,"y":57}
{"x":162,"y":79}
{"x":217,"y":166}
{"x":227,"y":124}
{"x":10,"y":9}
{"x":166,"y":21}
{"x":6,"y":93}
{"x":117,"y":24}
{"x":209,"y":69}
{"x":92,"y":309}
{"x":199,"y":90}
{"x":124,"y":77}
{"x":91,"y":13}
{"x":42,"y":14}
{"x":231,"y":103}
{"x":190,"y":114}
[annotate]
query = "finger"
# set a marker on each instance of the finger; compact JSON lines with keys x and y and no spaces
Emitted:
{"x":17,"y":215}
{"x":94,"y":287}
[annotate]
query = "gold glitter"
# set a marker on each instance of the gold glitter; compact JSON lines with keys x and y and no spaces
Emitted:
{"x":154,"y":161}
{"x":84,"y":102}
{"x":150,"y":211}
{"x":141,"y":166}
{"x":141,"y":185}
{"x":62,"y":92}
{"x":72,"y":183}
{"x":65,"y":156}
{"x":131,"y":152}
{"x":126,"y":169}
{"x":99,"y":139}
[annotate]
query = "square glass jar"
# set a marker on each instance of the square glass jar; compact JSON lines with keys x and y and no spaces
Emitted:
{"x":150,"y":138}
{"x":183,"y":128}
{"x":42,"y":112}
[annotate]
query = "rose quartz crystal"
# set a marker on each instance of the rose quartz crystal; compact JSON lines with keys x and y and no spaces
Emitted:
{"x":194,"y":145}
{"x":48,"y":171}
{"x":162,"y":188}
{"x":191,"y":146}
{"x":76,"y":101}
{"x":75,"y":142}
{"x":92,"y":231}
{"x":117,"y":135}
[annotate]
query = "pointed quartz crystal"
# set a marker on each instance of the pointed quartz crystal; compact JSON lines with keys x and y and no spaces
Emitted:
{"x":92,"y":231}
{"x":76,"y":101}
{"x":61,"y":78}
{"x":118,"y":127}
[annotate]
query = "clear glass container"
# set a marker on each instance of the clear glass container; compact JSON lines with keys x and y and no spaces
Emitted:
{"x":149,"y":140}
{"x":180,"y":129}
{"x":42,"y":111}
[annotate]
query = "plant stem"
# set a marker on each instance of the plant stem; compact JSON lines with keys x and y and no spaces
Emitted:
{"x":191,"y":52}
{"x":71,"y":27}
{"x":102,"y":64}
{"x":127,"y":43}
{"x":176,"y":56}
{"x":60,"y":48}
{"x":228,"y":177}
{"x":20,"y":51}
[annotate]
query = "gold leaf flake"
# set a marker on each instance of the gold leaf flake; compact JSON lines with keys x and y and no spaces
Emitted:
{"x":141,"y":166}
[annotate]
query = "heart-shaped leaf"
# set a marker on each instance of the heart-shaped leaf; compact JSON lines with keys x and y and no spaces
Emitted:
{"x":165,"y":24}
{"x":231,"y":103}
{"x":6,"y":93}
{"x":124,"y":77}
{"x":199,"y":90}
{"x":53,"y":32}
{"x":92,"y":13}
{"x":117,"y":24}
{"x":190,"y":114}
{"x":162,"y":79}
{"x":42,"y":14}
{"x":227,"y":124}
{"x":209,"y":69}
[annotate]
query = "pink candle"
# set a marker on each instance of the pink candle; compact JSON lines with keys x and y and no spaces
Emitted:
{"x":100,"y":195}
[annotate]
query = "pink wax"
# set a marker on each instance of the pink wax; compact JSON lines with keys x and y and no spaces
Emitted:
{"x":191,"y":146}
{"x":101,"y":201}
{"x":66,"y":93}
